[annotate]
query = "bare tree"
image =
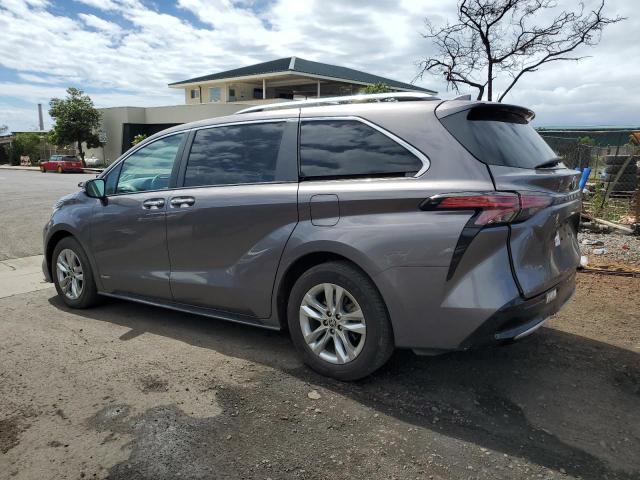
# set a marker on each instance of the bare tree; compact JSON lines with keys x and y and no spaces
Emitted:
{"x":502,"y":40}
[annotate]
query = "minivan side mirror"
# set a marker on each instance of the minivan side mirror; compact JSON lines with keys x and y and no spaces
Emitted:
{"x":95,"y":188}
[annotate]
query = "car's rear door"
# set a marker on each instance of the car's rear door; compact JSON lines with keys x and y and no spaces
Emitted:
{"x":129,"y":238}
{"x":228,"y":224}
{"x":544,"y":248}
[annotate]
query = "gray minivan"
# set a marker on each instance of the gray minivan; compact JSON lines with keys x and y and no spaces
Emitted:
{"x":358,"y":224}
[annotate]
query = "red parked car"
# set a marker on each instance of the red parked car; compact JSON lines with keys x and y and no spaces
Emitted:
{"x":61,"y":163}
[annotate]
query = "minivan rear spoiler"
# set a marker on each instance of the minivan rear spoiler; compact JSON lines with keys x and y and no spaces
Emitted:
{"x":484,"y":110}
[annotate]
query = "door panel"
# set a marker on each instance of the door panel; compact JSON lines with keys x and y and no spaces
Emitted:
{"x":225,"y":246}
{"x":129,"y":234}
{"x":130,"y":244}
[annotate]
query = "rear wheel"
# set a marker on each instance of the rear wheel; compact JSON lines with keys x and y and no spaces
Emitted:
{"x":72,"y":274}
{"x":339,"y":322}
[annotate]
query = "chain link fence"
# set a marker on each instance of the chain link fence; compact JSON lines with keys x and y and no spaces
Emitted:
{"x":611,"y":192}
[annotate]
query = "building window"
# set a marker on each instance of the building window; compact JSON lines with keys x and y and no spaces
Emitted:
{"x":232,"y":94}
{"x":195,"y":93}
{"x":215,"y":94}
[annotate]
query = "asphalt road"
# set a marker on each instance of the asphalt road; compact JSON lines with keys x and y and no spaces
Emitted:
{"x":26,"y":199}
{"x":127,"y":391}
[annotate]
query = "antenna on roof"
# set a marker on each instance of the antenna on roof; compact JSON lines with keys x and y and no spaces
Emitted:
{"x":318,"y":102}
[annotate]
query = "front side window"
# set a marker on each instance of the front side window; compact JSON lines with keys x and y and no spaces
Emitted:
{"x":111,"y":180}
{"x":234,"y":154}
{"x":349,"y":148}
{"x":215,"y":94}
{"x":150,"y":167}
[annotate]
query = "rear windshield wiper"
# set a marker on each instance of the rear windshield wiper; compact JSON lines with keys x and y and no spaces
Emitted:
{"x":549,"y":163}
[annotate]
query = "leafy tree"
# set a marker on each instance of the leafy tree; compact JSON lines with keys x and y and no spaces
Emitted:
{"x":25,"y":144}
{"x":77,"y":121}
{"x":379,"y":87}
{"x":502,"y":40}
{"x":138,"y":138}
{"x":587,"y":140}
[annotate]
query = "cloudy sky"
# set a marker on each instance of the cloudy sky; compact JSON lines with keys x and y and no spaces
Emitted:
{"x":124,"y":52}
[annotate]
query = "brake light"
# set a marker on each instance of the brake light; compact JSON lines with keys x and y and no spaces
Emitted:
{"x":530,"y":204}
{"x":490,"y":209}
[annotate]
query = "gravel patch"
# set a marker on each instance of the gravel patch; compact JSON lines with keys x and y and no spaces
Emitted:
{"x":608,"y":248}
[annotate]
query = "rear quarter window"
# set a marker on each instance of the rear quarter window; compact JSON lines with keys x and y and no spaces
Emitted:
{"x":350,"y":148}
{"x":499,"y":137}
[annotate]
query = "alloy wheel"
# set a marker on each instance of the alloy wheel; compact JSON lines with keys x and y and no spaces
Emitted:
{"x":70,"y":274}
{"x":332,"y":323}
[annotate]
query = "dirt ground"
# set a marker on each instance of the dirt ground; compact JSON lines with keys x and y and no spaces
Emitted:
{"x":128,"y":391}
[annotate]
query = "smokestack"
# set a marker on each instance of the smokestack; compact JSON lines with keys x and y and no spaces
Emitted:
{"x":40,"y":117}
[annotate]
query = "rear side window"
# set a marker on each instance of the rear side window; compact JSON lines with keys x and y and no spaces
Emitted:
{"x":234,"y":154}
{"x":499,"y":137}
{"x":344,"y":148}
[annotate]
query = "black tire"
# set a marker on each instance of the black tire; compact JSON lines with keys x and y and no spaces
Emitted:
{"x":378,"y":343}
{"x":630,"y":170}
{"x":624,"y":178}
{"x":615,"y":160}
{"x":624,"y":187}
{"x":43,"y":170}
{"x":89,"y":294}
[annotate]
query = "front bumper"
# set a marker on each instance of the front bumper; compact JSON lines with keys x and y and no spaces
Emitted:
{"x":520,"y":317}
{"x":45,"y":271}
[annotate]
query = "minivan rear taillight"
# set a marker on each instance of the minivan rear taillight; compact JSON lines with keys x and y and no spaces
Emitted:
{"x":490,"y":209}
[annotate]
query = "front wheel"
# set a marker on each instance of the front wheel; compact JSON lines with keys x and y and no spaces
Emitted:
{"x":72,"y":274}
{"x":59,"y":169}
{"x":42,"y":169}
{"x":338,"y":321}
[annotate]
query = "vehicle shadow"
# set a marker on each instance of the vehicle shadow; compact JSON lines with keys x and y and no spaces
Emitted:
{"x":559,"y":400}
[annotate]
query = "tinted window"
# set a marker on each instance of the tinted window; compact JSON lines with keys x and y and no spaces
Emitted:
{"x":499,"y":137}
{"x":335,"y":148}
{"x":234,"y":154}
{"x":111,"y":181}
{"x":150,"y":167}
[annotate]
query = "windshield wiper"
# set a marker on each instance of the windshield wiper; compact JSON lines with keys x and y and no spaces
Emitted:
{"x":549,"y":163}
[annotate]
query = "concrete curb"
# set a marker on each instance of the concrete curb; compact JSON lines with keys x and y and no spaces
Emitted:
{"x":18,"y":167}
{"x":37,"y":169}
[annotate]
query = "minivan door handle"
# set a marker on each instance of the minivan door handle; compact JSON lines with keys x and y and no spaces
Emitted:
{"x":182,"y":202}
{"x":153,"y":203}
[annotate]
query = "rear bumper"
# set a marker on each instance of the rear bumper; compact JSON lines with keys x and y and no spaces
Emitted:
{"x":520,"y":317}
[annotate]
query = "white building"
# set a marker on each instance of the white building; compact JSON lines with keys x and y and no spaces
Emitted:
{"x":224,"y":93}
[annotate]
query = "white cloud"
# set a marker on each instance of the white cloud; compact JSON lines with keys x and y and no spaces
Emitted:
{"x":128,"y":55}
{"x":100,"y":4}
{"x":100,"y":24}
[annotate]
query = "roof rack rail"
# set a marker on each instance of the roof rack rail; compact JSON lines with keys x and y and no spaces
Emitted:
{"x":362,"y":98}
